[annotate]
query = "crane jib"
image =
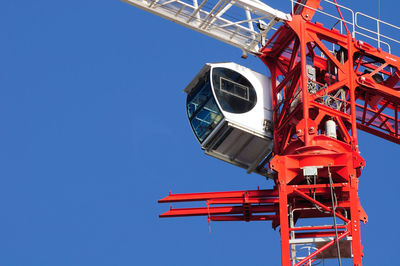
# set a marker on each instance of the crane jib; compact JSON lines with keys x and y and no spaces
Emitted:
{"x":215,"y":19}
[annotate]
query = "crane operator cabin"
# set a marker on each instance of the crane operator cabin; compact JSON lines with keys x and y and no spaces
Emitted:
{"x":230,"y":111}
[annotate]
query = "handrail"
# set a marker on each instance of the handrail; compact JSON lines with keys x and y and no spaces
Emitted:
{"x":358,"y":29}
{"x":330,"y":15}
{"x":352,"y":15}
{"x":378,"y":28}
{"x":375,"y":39}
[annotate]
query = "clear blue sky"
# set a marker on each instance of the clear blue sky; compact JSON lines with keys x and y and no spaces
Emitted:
{"x":93,"y":132}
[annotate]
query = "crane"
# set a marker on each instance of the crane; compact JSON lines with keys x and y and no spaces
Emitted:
{"x":326,"y":83}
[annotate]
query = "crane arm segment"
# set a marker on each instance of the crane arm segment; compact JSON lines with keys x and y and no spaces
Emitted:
{"x":241,"y":23}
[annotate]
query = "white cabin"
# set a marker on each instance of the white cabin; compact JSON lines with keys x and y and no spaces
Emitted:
{"x":230,"y":111}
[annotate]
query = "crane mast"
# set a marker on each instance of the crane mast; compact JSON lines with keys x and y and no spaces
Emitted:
{"x":326,"y":85}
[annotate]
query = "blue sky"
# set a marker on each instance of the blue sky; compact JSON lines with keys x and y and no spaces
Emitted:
{"x":94,"y":131}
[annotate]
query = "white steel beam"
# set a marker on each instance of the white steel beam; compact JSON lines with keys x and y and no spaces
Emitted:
{"x":230,"y":21}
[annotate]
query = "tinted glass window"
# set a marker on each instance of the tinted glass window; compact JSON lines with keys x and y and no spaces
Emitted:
{"x":202,"y":109}
{"x":234,"y":92}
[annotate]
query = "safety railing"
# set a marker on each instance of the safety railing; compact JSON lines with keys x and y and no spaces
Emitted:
{"x":349,"y":22}
{"x":358,"y":29}
{"x":377,"y":34}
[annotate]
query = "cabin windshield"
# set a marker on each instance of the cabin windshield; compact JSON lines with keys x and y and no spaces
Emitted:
{"x":202,"y":109}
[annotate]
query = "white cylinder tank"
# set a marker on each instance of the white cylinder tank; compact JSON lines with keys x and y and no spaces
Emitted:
{"x":331,"y":129}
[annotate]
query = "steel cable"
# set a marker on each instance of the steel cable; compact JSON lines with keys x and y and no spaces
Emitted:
{"x":334,"y":205}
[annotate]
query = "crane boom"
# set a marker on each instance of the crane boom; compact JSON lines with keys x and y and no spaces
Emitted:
{"x":230,"y":21}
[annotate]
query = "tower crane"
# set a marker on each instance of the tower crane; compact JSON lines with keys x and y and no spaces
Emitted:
{"x":326,"y":83}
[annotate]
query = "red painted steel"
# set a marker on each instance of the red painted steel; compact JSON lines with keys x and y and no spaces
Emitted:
{"x":242,"y":205}
{"x":358,"y":87}
{"x":219,"y":195}
{"x":245,"y":210}
{"x":316,"y":228}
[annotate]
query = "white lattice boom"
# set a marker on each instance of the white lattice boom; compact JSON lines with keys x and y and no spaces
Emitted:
{"x":233,"y":22}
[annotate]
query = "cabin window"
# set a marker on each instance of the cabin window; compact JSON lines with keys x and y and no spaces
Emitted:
{"x":202,"y":110}
{"x":233,"y":88}
{"x":234,"y":92}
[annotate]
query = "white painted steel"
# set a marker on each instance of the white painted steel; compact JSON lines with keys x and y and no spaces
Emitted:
{"x":230,"y":21}
{"x":377,"y":33}
{"x":315,"y":240}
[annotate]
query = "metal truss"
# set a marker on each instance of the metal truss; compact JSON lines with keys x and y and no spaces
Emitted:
{"x":241,"y":23}
{"x":321,"y":75}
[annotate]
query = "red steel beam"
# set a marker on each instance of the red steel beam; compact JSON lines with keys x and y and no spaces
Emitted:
{"x":322,"y":186}
{"x":241,"y":201}
{"x":242,"y":218}
{"x":306,"y":228}
{"x":218,"y":195}
{"x":203,"y":211}
{"x":317,"y":234}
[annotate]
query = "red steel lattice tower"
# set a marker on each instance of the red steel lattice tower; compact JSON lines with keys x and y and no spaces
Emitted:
{"x":307,"y":160}
{"x":321,"y":79}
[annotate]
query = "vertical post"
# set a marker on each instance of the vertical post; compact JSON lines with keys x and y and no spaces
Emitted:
{"x":377,"y":22}
{"x":303,"y":58}
{"x":284,"y":222}
{"x":284,"y":211}
{"x":396,"y":123}
{"x":274,"y":103}
{"x":355,"y":221}
{"x":351,"y":78}
{"x":378,"y":33}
